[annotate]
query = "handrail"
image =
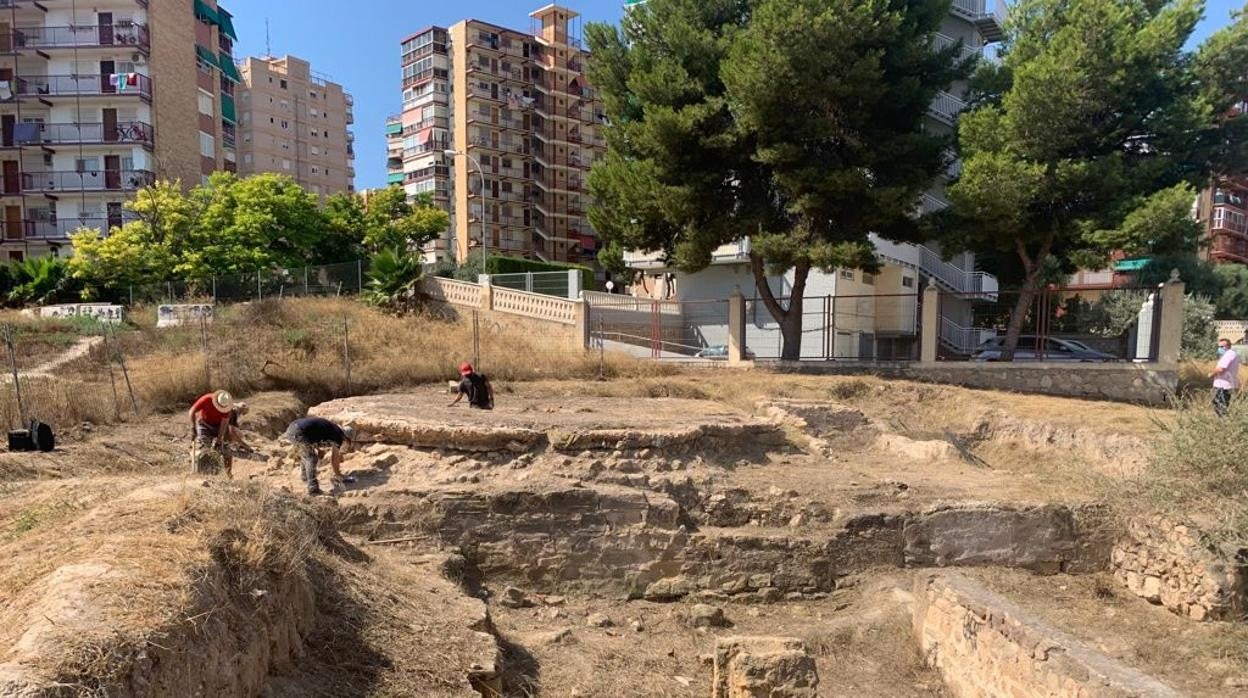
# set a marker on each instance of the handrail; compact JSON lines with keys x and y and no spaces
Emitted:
{"x":965,"y":339}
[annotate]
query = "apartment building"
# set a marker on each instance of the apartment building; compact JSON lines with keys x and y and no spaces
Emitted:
{"x":296,"y":122}
{"x":99,"y":99}
{"x":865,"y":327}
{"x":519,"y":112}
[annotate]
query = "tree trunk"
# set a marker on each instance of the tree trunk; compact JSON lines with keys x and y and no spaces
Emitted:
{"x":790,"y":318}
{"x":1033,"y":267}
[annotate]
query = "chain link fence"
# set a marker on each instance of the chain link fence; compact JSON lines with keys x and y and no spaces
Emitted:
{"x":342,"y":279}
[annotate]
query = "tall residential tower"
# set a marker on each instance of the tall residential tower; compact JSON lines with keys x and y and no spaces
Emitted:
{"x":524,"y":122}
{"x":295,"y":122}
{"x":98,"y":99}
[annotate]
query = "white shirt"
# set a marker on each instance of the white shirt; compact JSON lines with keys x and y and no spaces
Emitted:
{"x":1228,"y":379}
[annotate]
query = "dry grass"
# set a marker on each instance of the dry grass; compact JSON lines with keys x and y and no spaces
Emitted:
{"x":298,"y":345}
{"x":164,"y":556}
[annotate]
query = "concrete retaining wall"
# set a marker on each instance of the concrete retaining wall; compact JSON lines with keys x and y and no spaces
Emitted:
{"x":1148,"y":384}
{"x":1169,"y":564}
{"x":983,"y":645}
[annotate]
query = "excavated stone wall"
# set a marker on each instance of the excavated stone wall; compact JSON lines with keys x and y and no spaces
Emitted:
{"x":621,"y":541}
{"x":983,"y":646}
{"x":1169,"y":564}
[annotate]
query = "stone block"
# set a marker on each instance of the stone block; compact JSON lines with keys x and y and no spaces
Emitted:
{"x":775,"y":667}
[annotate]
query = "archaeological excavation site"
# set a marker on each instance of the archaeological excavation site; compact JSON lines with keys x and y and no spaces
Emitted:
{"x":709,"y":533}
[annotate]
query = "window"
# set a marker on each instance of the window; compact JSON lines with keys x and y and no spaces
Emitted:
{"x":285,"y":164}
{"x":314,"y":112}
{"x":847,"y":274}
{"x":207,"y":145}
{"x":206,"y":104}
{"x":316,"y":170}
{"x":246,"y":158}
{"x":907,"y":281}
{"x":285,"y":124}
{"x":868,"y":279}
{"x":316,"y":150}
{"x":283,"y":84}
{"x":312,"y":94}
{"x":87,"y":165}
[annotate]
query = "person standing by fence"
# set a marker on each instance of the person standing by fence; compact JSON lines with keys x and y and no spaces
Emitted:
{"x":1225,"y":378}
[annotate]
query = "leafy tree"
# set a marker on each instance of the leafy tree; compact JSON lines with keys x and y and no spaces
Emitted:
{"x":390,"y":221}
{"x":1162,"y":225}
{"x":42,"y":280}
{"x":1083,"y":137}
{"x":1232,"y":300}
{"x":799,"y":123}
{"x":1114,"y":313}
{"x":611,"y":258}
{"x":1198,"y":275}
{"x":344,"y":230}
{"x":136,"y":253}
{"x":392,"y":278}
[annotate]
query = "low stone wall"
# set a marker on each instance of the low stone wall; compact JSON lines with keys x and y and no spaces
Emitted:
{"x":1169,"y":564}
{"x":1147,"y":384}
{"x":621,"y":541}
{"x":983,"y":646}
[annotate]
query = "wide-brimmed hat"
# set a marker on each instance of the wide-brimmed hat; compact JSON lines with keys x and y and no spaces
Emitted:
{"x":349,"y":433}
{"x":223,"y":401}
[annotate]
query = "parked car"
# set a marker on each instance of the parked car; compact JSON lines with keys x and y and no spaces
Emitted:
{"x":720,"y":352}
{"x":1055,"y":349}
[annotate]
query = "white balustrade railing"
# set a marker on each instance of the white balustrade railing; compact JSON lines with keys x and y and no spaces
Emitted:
{"x":454,"y":292}
{"x":612,"y":301}
{"x":534,"y":305}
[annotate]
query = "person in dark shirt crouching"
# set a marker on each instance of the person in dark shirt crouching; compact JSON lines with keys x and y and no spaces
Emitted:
{"x":310,"y":436}
{"x":476,"y":387}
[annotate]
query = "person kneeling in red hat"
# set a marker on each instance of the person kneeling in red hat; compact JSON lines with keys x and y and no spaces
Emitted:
{"x":476,"y":386}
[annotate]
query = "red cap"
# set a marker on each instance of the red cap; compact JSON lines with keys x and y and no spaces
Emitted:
{"x":465,"y":368}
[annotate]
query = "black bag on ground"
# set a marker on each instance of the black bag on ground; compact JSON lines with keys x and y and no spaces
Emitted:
{"x":41,"y":435}
{"x":20,"y":440}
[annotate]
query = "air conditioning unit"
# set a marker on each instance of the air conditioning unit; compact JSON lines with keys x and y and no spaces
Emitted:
{"x":138,"y":59}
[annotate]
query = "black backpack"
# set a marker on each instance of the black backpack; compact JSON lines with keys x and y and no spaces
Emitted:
{"x":41,"y":435}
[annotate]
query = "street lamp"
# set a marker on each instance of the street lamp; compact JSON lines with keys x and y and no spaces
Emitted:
{"x":485,"y":248}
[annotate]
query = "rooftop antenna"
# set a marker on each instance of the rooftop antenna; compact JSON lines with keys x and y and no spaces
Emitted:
{"x":268,"y":41}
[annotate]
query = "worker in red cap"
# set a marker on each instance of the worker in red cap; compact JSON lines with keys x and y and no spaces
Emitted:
{"x":476,"y":386}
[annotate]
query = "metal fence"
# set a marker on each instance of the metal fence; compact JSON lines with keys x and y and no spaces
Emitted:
{"x":883,"y":327}
{"x":549,"y":283}
{"x":1060,"y":324}
{"x":668,"y":330}
{"x":343,"y":279}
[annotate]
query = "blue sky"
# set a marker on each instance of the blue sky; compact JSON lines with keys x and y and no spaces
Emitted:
{"x":357,"y":44}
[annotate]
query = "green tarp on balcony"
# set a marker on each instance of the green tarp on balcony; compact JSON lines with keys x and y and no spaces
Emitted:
{"x":207,"y":56}
{"x":203,"y":11}
{"x":228,"y":69}
{"x":227,"y":23}
{"x":228,"y":111}
{"x":395,"y":178}
{"x":393,"y":129}
{"x":1132,"y":264}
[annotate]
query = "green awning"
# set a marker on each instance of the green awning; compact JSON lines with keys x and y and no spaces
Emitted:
{"x":204,"y":12}
{"x":1132,"y":264}
{"x":227,"y":109}
{"x":207,"y":56}
{"x":395,"y":178}
{"x":227,"y":23}
{"x":228,"y":69}
{"x":394,"y":129}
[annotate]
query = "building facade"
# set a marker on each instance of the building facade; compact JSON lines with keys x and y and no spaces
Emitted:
{"x":97,"y":100}
{"x":517,"y":109}
{"x":874,"y":329}
{"x":296,"y":122}
{"x":1223,"y":211}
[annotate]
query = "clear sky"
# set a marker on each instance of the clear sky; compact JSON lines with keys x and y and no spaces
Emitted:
{"x":356,"y":43}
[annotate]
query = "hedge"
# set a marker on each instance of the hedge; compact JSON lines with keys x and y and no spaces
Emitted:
{"x":517,"y":265}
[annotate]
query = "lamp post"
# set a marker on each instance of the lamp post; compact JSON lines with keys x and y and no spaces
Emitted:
{"x":485,"y":247}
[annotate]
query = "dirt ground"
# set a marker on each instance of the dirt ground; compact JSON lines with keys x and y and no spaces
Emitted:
{"x":388,"y":618}
{"x":858,"y":636}
{"x":1198,"y":659}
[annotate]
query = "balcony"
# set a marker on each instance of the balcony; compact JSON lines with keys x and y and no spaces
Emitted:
{"x":946,"y":108}
{"x":942,"y":41}
{"x":43,"y":87}
{"x":988,"y":19}
{"x":1228,"y":220}
{"x":127,"y":35}
{"x":93,"y":180}
{"x":135,"y":132}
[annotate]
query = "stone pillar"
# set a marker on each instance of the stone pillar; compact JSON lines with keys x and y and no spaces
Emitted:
{"x":582,"y":323}
{"x":1170,"y":343}
{"x":736,"y":328}
{"x":487,"y":292}
{"x":574,"y":284}
{"x":930,"y":329}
